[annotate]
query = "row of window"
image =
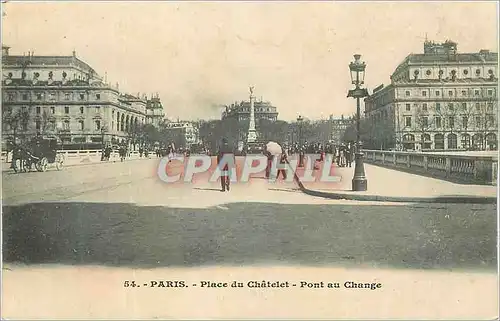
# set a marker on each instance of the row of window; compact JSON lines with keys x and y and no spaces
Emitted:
{"x":39,"y":96}
{"x":50,"y":125}
{"x":423,"y":122}
{"x":452,"y":139}
{"x":428,"y":72}
{"x":256,"y":109}
{"x":453,"y":74}
{"x":52,"y":109}
{"x":451,"y":106}
{"x":453,"y":93}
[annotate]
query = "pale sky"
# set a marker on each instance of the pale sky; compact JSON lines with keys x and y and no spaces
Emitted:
{"x":198,"y":55}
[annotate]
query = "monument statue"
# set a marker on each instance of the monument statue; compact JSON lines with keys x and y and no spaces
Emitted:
{"x":252,"y":133}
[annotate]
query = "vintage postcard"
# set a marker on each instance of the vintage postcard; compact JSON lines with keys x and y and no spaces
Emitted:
{"x":249,"y":160}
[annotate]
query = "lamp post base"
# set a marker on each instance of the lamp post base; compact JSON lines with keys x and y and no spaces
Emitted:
{"x":359,"y":181}
{"x":359,"y":184}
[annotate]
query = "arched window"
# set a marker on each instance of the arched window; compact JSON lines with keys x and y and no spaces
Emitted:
{"x":438,"y":141}
{"x":426,"y":141}
{"x":465,"y":141}
{"x":477,"y":141}
{"x":491,"y":141}
{"x":409,"y":142}
{"x":452,"y":141}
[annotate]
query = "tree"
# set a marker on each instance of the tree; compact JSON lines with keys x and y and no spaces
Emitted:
{"x":422,"y":125}
{"x":485,"y":122}
{"x":374,"y":133}
{"x":276,"y":131}
{"x":149,"y":135}
{"x":15,"y":121}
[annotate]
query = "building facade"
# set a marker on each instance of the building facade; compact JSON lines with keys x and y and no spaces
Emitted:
{"x":339,"y":127}
{"x":64,"y":96}
{"x":439,"y":100}
{"x":186,"y":130}
{"x":155,"y":113}
{"x":240,"y":112}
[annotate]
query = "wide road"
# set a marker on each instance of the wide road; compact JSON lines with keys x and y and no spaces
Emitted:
{"x":122,"y":215}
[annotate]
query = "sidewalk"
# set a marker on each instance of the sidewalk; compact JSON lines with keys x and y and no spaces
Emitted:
{"x":395,"y":186}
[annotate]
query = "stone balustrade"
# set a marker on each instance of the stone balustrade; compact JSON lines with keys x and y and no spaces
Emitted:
{"x":73,"y":157}
{"x":462,"y":168}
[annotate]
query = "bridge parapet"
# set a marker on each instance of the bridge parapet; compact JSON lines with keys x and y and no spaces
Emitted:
{"x":72,"y":157}
{"x":463,"y":168}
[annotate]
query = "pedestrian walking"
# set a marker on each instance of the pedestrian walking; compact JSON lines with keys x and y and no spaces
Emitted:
{"x":269,"y":164}
{"x":283,"y":160}
{"x":225,"y":150}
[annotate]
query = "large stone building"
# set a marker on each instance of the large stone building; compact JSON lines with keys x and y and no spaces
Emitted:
{"x":64,"y":96}
{"x":155,"y":114}
{"x":439,"y":100}
{"x":183,"y":133}
{"x":339,"y":127}
{"x":263,"y":110}
{"x":241,"y":111}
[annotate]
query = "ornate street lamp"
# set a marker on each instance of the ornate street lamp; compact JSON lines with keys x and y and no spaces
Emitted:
{"x":357,"y":68}
{"x":301,"y":149}
{"x":299,"y":122}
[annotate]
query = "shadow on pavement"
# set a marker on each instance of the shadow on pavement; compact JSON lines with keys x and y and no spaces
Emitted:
{"x":207,"y":189}
{"x":116,"y":234}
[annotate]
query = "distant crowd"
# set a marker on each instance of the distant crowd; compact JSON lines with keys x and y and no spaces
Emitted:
{"x":343,"y":153}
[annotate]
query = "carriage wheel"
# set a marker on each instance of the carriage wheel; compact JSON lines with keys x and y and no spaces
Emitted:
{"x":42,"y":164}
{"x":26,"y":166}
{"x":59,"y":162}
{"x":16,"y":166}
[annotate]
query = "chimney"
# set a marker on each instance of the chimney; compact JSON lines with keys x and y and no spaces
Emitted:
{"x":74,"y":53}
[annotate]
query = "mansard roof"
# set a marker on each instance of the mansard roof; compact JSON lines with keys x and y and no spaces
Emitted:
{"x":453,"y":58}
{"x":45,"y":61}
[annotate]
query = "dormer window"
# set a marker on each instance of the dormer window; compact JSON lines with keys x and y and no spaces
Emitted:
{"x":82,"y":96}
{"x":478,"y":72}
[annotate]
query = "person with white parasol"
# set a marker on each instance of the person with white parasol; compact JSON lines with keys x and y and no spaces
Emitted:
{"x":272,"y":150}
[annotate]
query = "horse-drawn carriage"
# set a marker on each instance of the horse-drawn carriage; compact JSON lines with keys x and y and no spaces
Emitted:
{"x":38,"y":153}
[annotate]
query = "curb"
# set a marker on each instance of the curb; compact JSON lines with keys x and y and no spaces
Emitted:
{"x":466,"y":199}
{"x":453,"y":199}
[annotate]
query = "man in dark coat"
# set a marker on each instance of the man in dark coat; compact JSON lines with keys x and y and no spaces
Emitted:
{"x":224,"y":150}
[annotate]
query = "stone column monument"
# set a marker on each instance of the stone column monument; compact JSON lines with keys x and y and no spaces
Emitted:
{"x":252,"y":133}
